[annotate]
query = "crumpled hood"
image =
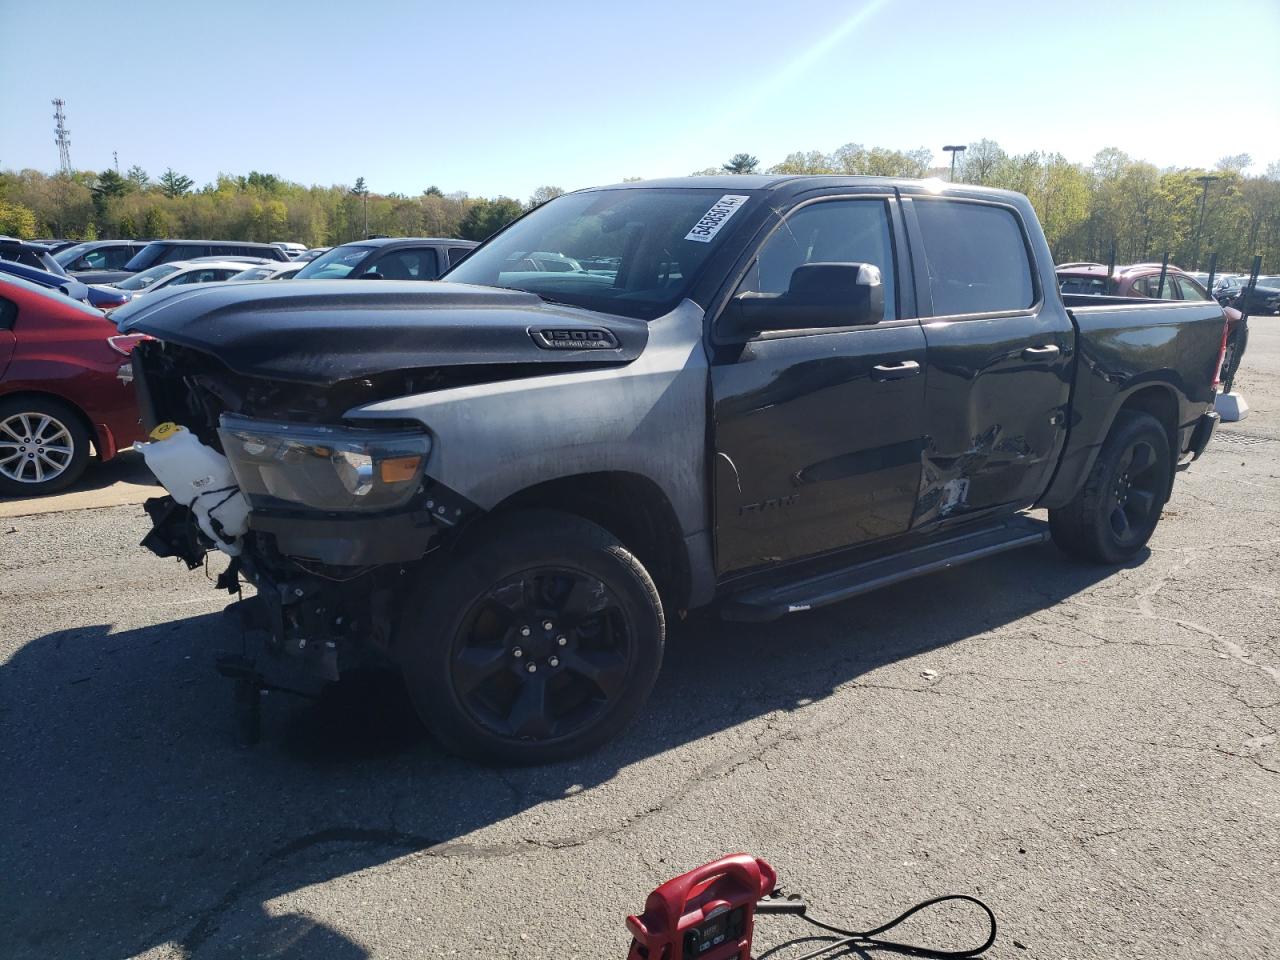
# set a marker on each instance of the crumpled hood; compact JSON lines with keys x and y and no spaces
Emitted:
{"x":326,"y":331}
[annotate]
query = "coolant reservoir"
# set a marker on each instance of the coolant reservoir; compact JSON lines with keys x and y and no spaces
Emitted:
{"x":198,"y":477}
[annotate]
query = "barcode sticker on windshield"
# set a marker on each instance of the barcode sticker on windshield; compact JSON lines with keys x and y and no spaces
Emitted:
{"x":716,"y":217}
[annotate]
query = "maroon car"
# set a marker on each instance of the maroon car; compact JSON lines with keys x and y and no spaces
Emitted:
{"x":60,"y":389}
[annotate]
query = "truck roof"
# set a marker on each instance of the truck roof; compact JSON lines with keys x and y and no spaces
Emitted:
{"x":792,"y":184}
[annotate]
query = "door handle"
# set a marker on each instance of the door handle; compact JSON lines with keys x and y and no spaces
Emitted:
{"x":1041,"y":353}
{"x":895,"y":371}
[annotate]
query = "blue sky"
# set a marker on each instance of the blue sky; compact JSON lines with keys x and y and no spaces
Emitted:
{"x":502,"y":97}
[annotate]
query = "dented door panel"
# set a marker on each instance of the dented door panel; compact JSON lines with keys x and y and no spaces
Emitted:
{"x":996,"y":407}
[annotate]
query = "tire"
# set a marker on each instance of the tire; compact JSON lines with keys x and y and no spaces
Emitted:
{"x":1113,"y":516}
{"x":29,"y":468}
{"x":539,"y":641}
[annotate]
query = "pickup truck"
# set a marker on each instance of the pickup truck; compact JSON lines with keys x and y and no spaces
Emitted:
{"x":765,"y":395}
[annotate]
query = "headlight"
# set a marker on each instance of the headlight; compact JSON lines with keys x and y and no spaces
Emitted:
{"x":323,"y":468}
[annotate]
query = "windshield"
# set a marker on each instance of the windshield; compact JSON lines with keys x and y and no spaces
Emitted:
{"x":633,"y":252}
{"x":253,"y":273}
{"x":140,"y":281}
{"x":335,"y":264}
{"x":71,"y":254}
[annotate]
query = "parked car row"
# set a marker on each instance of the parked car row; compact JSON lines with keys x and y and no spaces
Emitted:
{"x":65,"y":388}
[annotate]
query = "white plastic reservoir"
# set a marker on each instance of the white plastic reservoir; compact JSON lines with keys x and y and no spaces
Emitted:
{"x":198,"y":477}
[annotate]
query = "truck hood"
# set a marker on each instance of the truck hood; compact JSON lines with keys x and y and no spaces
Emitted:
{"x":326,"y":331}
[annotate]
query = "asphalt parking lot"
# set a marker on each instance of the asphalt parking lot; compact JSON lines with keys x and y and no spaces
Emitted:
{"x":1092,"y":751}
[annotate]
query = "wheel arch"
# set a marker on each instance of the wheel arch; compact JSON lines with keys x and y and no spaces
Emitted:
{"x":1158,"y":401}
{"x":629,"y":505}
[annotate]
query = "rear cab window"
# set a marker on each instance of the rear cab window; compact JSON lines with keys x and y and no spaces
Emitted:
{"x":976,"y":257}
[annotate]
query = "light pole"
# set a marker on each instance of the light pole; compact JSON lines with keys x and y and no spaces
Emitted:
{"x":953,"y":149}
{"x":1204,"y":182}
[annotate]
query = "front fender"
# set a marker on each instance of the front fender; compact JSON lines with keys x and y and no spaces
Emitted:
{"x":492,"y":440}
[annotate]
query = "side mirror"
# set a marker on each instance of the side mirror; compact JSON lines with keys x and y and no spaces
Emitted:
{"x":371,"y":275}
{"x":820,"y":295}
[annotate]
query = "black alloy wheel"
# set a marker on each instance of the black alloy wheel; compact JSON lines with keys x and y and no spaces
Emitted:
{"x":542,"y":654}
{"x":536,"y":640}
{"x":1114,"y":514}
{"x":1135,"y":497}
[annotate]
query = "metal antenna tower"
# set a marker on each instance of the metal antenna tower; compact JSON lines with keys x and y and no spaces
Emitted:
{"x":62,"y":136}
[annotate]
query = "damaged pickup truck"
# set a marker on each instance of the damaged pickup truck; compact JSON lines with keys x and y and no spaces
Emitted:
{"x":758,"y":394}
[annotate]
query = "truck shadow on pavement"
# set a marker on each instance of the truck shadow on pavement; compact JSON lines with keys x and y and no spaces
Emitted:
{"x":134,"y":820}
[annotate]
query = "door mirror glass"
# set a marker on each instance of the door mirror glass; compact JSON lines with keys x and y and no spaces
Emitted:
{"x":819,"y":295}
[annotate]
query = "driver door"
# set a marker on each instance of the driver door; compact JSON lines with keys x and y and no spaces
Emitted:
{"x":818,"y":433}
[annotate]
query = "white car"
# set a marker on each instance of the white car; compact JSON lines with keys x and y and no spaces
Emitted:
{"x":164,"y":276}
{"x":289,"y":247}
{"x":271,"y":271}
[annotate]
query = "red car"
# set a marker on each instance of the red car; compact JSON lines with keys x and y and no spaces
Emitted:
{"x":60,"y":389}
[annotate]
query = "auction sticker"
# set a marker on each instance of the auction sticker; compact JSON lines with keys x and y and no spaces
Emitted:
{"x":715,"y":218}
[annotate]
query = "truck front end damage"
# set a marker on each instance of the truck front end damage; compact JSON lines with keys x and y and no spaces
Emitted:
{"x":332,"y":517}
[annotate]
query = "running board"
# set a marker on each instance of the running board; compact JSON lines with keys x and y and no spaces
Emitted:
{"x":772,"y":602}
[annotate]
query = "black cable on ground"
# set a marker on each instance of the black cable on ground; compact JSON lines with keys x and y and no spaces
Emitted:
{"x":850,"y":941}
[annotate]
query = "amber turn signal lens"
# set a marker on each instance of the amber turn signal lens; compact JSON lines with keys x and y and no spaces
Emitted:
{"x":399,"y":469}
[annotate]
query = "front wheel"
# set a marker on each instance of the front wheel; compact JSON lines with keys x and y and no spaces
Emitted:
{"x":1111,"y":519}
{"x":540,"y":641}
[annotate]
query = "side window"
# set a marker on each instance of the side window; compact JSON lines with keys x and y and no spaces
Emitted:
{"x":457,"y":253}
{"x":117,"y":257}
{"x":1188,"y":289}
{"x":96,"y":260}
{"x":419,"y":264}
{"x":831,"y":231}
{"x":183,"y":253}
{"x":976,"y":256}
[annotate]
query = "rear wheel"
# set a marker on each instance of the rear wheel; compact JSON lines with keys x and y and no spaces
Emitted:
{"x":1111,"y":519}
{"x":540,"y":641}
{"x":44,"y":446}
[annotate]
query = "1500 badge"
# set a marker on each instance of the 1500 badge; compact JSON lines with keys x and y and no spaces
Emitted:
{"x":566,"y":339}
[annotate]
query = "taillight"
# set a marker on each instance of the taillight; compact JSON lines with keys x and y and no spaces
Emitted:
{"x":125,"y":343}
{"x":1222,"y":355}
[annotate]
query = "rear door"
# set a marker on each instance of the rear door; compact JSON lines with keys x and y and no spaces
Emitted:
{"x":818,"y":432}
{"x":8,"y":317}
{"x":1000,"y":364}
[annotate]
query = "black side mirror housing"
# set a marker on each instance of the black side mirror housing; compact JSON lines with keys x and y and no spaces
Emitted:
{"x":370,"y":275}
{"x":819,"y":295}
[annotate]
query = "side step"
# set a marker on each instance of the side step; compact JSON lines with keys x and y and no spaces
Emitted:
{"x":772,"y":602}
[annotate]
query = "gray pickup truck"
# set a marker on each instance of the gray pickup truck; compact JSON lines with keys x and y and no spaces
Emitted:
{"x":756,"y":394}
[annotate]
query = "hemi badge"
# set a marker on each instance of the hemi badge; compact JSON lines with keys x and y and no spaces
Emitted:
{"x":564,"y":339}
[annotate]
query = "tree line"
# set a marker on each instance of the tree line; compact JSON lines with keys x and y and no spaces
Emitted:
{"x":258,"y":206}
{"x":1115,"y":202}
{"x":1088,"y":210}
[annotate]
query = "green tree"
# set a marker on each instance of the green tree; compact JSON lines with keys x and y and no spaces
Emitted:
{"x":741,"y":163}
{"x":484,"y":218}
{"x":433,"y":191}
{"x":174,"y":184}
{"x":155,"y":225}
{"x":138,"y":177}
{"x":798,"y":164}
{"x":126,"y":228}
{"x":980,"y":161}
{"x":17,"y":220}
{"x":542,"y":195}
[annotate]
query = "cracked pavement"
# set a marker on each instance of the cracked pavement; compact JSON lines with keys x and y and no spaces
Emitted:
{"x":1093,"y":751}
